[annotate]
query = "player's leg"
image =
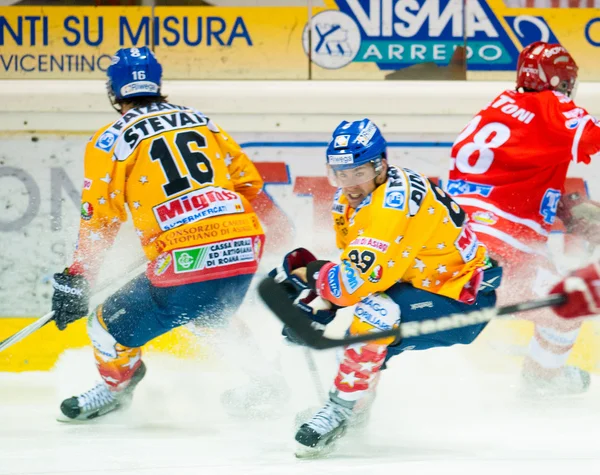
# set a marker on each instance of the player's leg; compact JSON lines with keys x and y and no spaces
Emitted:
{"x":135,"y":315}
{"x":360,"y":365}
{"x":545,"y":370}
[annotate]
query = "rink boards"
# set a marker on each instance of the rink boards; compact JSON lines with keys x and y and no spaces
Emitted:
{"x":41,"y":176}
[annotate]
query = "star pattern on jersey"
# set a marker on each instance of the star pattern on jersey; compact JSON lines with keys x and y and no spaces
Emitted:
{"x":115,"y":220}
{"x":437,"y":282}
{"x":143,"y":179}
{"x":391,"y":263}
{"x":441,"y":269}
{"x":426,"y":282}
{"x":361,"y":232}
{"x":94,"y":236}
{"x":218,"y":155}
{"x":242,"y":174}
{"x":445,"y":220}
{"x":367,"y":366}
{"x":455,"y":273}
{"x":132,"y":362}
{"x":139,"y":232}
{"x":357,"y":348}
{"x":351,"y":222}
{"x":419,"y":264}
{"x":136,"y":204}
{"x":405,"y":253}
{"x":348,"y":378}
{"x":431,"y":210}
{"x":441,"y":245}
{"x":113,"y":195}
{"x":228,"y":159}
{"x":228,"y":176}
{"x":107,"y":179}
{"x":101,"y":200}
{"x":398,"y":239}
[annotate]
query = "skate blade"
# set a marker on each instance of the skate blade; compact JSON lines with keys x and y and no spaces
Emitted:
{"x":304,"y":452}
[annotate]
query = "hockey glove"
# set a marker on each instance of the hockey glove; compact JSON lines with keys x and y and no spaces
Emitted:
{"x":293,"y":260}
{"x":582,"y":288}
{"x":580,"y":216}
{"x":71,"y":297}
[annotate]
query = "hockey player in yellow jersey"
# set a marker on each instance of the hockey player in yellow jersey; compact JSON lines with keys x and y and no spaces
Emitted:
{"x":408,"y":254}
{"x":188,"y":186}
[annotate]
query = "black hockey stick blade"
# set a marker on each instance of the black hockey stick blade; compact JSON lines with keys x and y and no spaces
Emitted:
{"x":276,"y":298}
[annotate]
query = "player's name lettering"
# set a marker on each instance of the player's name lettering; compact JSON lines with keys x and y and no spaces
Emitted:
{"x":196,"y":205}
{"x":418,"y":189}
{"x":508,"y":106}
{"x":427,"y":327}
{"x":138,"y":112}
{"x":151,"y":126}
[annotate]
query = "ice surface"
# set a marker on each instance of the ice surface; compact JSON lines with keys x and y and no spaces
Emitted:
{"x":440,"y":411}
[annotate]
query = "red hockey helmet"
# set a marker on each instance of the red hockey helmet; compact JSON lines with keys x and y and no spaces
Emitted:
{"x":542,"y":67}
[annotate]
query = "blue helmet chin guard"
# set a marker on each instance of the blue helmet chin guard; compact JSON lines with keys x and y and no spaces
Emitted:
{"x":133,"y":72}
{"x":354,"y":144}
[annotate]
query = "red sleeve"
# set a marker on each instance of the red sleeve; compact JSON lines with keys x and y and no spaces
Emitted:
{"x":579,"y":127}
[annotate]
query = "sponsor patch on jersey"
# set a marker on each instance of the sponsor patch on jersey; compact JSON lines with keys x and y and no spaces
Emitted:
{"x":549,"y":205}
{"x":462,"y":187}
{"x":87,"y":210}
{"x":333,"y":281}
{"x":196,"y":206}
{"x":350,"y":278}
{"x":341,"y":159}
{"x":162,"y":264}
{"x":376,"y":274}
{"x":338,"y":208}
{"x":218,"y":254}
{"x":371,"y":243}
{"x":87,"y":183}
{"x":106,"y":141}
{"x":467,"y":244}
{"x":571,"y":123}
{"x":576,"y":113}
{"x":485,"y":217}
{"x":364,"y":315}
{"x":394,"y":199}
{"x":341,"y":141}
{"x":420,"y":305}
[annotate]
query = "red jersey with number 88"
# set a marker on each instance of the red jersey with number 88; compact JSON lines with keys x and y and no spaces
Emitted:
{"x":509,"y":164}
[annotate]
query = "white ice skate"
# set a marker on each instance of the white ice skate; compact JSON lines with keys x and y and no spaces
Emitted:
{"x":99,"y":400}
{"x":262,"y":398}
{"x":316,"y":437}
{"x":570,"y":381}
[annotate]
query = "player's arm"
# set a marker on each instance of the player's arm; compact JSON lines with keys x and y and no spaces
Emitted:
{"x":102,"y":211}
{"x":366,"y":264}
{"x":244,"y":175}
{"x":580,"y":215}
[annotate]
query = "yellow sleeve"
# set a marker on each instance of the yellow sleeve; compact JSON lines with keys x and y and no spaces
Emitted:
{"x":366,"y":264}
{"x":244,"y":175}
{"x":102,"y":207}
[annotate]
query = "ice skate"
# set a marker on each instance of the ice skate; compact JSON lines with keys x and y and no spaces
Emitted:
{"x":261,"y":398}
{"x":99,"y":400}
{"x":316,"y":437}
{"x":570,"y":381}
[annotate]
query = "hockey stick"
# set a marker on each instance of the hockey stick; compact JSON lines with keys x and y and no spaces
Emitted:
{"x":276,"y":298}
{"x":40,"y":322}
{"x":314,"y":374}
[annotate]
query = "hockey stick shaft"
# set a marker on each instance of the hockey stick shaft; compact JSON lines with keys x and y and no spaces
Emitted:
{"x":40,"y":322}
{"x":314,"y":374}
{"x":278,"y":302}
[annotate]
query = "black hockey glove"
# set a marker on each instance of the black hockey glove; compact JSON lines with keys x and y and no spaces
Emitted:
{"x":71,"y":298}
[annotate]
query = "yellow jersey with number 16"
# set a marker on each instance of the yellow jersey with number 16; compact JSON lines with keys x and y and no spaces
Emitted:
{"x":188,"y":187}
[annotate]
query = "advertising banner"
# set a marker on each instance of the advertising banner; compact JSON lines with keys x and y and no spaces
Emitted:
{"x":346,"y":39}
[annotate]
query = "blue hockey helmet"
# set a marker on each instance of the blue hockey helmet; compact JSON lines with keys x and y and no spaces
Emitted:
{"x":353,"y":145}
{"x":133,"y":72}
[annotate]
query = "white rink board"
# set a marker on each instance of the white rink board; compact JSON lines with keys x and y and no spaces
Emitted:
{"x":37,"y":237}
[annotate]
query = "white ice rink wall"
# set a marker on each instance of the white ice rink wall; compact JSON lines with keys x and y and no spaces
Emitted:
{"x":284,"y":126}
